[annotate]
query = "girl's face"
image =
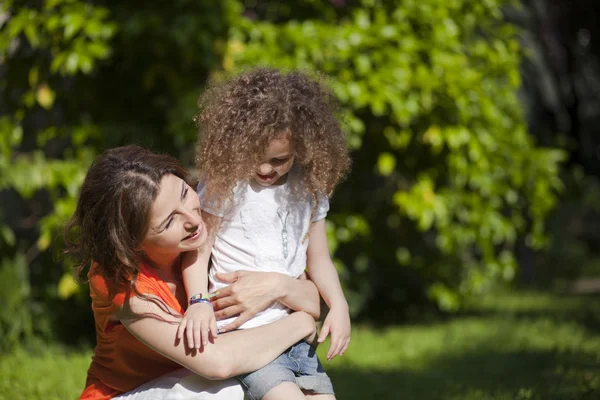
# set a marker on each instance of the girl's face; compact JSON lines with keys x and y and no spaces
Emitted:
{"x":175,"y":222}
{"x":276,"y":163}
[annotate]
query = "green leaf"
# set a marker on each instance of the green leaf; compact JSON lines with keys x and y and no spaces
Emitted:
{"x":386,"y":164}
{"x":67,"y":286}
{"x":7,"y":235}
{"x":73,"y":23}
{"x":45,"y":96}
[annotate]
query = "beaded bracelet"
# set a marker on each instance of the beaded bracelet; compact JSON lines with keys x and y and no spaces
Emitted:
{"x":200,"y":298}
{"x":205,"y":301}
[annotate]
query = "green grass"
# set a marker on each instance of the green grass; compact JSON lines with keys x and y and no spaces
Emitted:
{"x":517,"y":346}
{"x":48,"y":374}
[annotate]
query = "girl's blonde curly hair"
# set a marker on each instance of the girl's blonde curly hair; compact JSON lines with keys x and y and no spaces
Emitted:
{"x":240,"y":117}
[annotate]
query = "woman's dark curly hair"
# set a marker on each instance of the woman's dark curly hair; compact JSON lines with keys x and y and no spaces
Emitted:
{"x":112,"y":217}
{"x":240,"y":117}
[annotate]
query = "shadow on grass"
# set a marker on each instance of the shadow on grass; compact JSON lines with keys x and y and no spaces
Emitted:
{"x":483,"y":374}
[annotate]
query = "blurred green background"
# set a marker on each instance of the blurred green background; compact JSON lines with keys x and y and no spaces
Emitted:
{"x":465,"y":236}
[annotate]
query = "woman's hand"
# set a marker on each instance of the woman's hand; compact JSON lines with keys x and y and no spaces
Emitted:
{"x":249,"y":293}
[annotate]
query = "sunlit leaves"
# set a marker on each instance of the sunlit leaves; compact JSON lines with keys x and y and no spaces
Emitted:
{"x":386,"y":163}
{"x":428,"y":90}
{"x":76,"y":34}
{"x":53,"y":40}
{"x":440,"y":78}
{"x":45,"y":96}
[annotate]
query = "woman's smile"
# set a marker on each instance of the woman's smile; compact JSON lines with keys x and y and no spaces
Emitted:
{"x":194,"y":235}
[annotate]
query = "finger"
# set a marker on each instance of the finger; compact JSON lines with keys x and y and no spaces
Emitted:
{"x":189,"y":333}
{"x":341,"y":340}
{"x":197,"y":333}
{"x":239,"y":321}
{"x":324,"y":332}
{"x":229,"y":278}
{"x":345,"y":347}
{"x":225,"y":292}
{"x":339,"y":343}
{"x":205,"y":329}
{"x":181,"y":328}
{"x":229,"y":312}
{"x":223,"y":303}
{"x":334,"y":343}
{"x":213,"y":328}
{"x":331,"y":348}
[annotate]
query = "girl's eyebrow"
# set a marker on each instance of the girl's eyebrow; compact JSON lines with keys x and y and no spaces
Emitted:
{"x":159,"y":227}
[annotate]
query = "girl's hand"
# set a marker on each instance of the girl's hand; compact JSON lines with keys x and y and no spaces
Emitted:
{"x":249,"y":293}
{"x":337,"y":324}
{"x":199,"y":320}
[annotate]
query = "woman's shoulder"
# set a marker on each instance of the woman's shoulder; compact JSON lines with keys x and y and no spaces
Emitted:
{"x":108,"y":296}
{"x":103,"y":289}
{"x":100,"y":283}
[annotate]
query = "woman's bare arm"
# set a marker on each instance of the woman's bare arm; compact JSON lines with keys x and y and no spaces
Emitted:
{"x":233,"y":354}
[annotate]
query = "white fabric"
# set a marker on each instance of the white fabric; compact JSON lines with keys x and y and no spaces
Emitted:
{"x":250,"y":235}
{"x":183,"y":384}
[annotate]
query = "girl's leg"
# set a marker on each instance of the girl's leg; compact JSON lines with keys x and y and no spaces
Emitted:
{"x":285,"y":391}
{"x":320,"y":396}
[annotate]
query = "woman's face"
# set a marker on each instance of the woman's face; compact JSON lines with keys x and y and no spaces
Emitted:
{"x":175,"y":220}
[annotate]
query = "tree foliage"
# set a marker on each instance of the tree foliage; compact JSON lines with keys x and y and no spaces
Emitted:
{"x":78,"y":77}
{"x":41,"y":49}
{"x":445,"y":176}
{"x":430,"y":90}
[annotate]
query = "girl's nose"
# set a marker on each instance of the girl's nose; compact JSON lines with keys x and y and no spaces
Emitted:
{"x":264,"y":169}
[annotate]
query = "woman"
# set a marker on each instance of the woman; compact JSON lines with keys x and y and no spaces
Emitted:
{"x":135,"y":217}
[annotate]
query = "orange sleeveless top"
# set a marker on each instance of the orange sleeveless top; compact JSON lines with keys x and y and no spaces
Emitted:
{"x":121,"y":362}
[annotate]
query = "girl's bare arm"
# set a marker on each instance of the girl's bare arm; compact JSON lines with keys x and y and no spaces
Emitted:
{"x":199,"y":318}
{"x":194,"y":269}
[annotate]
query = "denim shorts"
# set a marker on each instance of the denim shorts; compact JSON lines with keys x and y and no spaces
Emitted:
{"x":298,"y":364}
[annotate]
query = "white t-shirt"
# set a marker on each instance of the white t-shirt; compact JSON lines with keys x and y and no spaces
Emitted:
{"x":262,"y":230}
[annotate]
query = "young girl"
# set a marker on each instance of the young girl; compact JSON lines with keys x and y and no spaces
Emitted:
{"x":270,"y":152}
